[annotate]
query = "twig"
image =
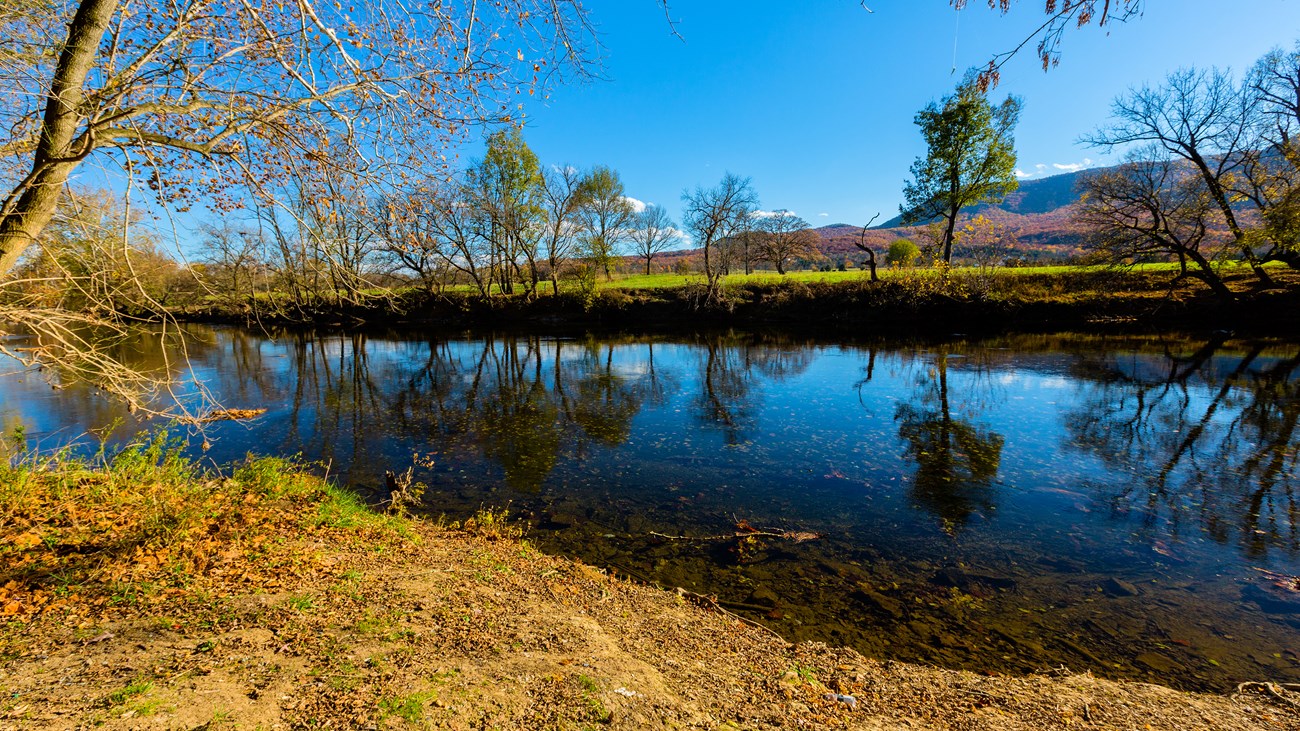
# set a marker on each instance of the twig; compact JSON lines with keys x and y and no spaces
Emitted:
{"x":1282,"y":581}
{"x":1280,"y":691}
{"x":711,"y":602}
{"x":798,"y":536}
{"x":723,"y":537}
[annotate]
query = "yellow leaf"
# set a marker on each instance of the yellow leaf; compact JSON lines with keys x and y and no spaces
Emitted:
{"x":26,"y":540}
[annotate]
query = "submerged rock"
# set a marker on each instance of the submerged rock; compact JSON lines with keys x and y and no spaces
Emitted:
{"x":1118,"y":587}
{"x":956,"y":578}
{"x":878,"y":601}
{"x":1272,"y":599}
{"x":1158,"y":663}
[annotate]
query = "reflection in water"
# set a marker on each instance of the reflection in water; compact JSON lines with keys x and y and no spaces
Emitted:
{"x":521,"y":403}
{"x":730,"y":368}
{"x":956,"y":461}
{"x":1009,"y":505}
{"x":1210,"y":438}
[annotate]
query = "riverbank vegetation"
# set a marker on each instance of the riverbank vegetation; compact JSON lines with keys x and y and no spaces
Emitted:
{"x":915,"y":302}
{"x":143,"y":591}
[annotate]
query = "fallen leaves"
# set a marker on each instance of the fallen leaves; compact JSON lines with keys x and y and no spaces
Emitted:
{"x":226,"y":415}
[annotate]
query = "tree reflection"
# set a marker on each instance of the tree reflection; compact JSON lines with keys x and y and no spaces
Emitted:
{"x":519,"y":419}
{"x":1211,"y":438}
{"x":956,"y":460}
{"x":521,"y":404}
{"x":731,"y":366}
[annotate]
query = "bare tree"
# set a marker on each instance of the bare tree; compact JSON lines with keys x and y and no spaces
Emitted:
{"x":1274,"y":172}
{"x":652,"y":233}
{"x":785,"y":236}
{"x":1203,"y":118}
{"x":1154,"y":206}
{"x":714,"y":215}
{"x":562,"y":198}
{"x":404,"y":227}
{"x":743,"y":247}
{"x":205,"y":96}
{"x":335,"y":218}
{"x":232,"y":256}
{"x":865,"y":248}
{"x":465,"y":245}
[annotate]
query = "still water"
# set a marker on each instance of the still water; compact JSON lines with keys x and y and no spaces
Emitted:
{"x":1008,"y":505}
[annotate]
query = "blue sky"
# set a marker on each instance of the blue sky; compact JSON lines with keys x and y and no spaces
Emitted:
{"x":814,"y":100}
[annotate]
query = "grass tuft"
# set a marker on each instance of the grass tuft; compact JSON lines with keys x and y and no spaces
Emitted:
{"x":80,"y":535}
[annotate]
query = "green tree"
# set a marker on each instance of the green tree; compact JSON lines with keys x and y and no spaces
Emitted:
{"x":606,"y":213}
{"x":508,"y":194}
{"x":902,"y":252}
{"x":971,"y":158}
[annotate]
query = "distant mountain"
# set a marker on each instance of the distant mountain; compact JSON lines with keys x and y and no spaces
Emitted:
{"x":1039,"y":213}
{"x":1043,"y":195}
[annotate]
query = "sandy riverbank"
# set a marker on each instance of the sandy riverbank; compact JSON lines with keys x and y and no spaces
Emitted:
{"x":271,"y":601}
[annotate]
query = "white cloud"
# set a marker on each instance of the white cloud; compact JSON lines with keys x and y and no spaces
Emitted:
{"x":637,"y":206}
{"x":1041,"y":169}
{"x":823,"y":215}
{"x":773,"y":214}
{"x":1073,"y":167}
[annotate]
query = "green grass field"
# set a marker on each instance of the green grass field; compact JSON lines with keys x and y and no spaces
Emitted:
{"x":664,"y":281}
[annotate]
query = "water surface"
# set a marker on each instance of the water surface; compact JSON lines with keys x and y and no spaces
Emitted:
{"x":1007,"y":505}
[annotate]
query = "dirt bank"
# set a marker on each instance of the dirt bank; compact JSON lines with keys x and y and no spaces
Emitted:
{"x":148,"y":593}
{"x":466,"y":631}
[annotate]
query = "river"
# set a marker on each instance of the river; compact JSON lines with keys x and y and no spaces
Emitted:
{"x":1125,"y":505}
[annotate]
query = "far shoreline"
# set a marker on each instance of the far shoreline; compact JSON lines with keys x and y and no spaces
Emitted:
{"x":967,"y":303}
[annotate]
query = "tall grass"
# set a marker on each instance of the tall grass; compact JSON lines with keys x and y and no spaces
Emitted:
{"x":147,"y":519}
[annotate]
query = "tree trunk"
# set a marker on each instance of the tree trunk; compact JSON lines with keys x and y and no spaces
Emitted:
{"x":947,"y":238}
{"x":1230,"y":217}
{"x":1290,"y":258}
{"x":647,"y":266}
{"x":55,"y":158}
{"x":1207,"y":274}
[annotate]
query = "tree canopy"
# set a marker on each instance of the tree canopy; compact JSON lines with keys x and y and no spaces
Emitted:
{"x":970,"y":158}
{"x":207,"y":99}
